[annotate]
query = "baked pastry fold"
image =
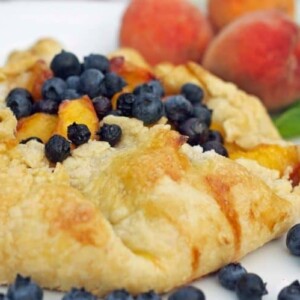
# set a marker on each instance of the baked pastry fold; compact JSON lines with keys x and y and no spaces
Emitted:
{"x":151,"y":213}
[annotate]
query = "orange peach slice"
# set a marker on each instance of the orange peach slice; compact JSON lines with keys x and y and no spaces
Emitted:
{"x":271,"y":156}
{"x":40,"y":73}
{"x":132,"y":74}
{"x":38,"y":125}
{"x":80,"y":111}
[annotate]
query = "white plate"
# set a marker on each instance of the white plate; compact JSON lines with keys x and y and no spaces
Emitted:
{"x":86,"y":27}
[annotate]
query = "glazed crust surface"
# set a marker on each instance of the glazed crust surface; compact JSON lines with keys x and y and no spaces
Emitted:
{"x":151,"y":213}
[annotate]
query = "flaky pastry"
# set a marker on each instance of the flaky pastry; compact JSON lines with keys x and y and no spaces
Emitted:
{"x":151,"y":213}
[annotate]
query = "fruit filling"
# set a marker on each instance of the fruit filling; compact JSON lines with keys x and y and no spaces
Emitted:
{"x":66,"y":110}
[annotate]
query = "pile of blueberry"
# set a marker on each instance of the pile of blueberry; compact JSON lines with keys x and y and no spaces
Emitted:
{"x":24,"y":288}
{"x":94,"y":78}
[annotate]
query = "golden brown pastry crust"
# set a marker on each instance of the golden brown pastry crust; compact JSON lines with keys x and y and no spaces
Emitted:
{"x":152,"y":213}
{"x":157,"y":207}
{"x":18,"y":68}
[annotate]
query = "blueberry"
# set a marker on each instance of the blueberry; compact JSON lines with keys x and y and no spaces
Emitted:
{"x":192,"y":92}
{"x":143,"y":89}
{"x":53,"y":89}
{"x":125,"y":104}
{"x":78,"y":294}
{"x":3,"y":297}
{"x":214,"y":135}
{"x":178,"y":109}
{"x":110,"y":133}
{"x":202,"y":113}
{"x":57,"y":149}
{"x":111,"y":84}
{"x":119,"y":295}
{"x":70,"y":94}
{"x":24,"y":289}
{"x":293,"y":240}
{"x":230,"y":274}
{"x":65,"y":64}
{"x":153,"y":86}
{"x":20,"y":102}
{"x":90,"y":81}
{"x":187,"y":293}
{"x":216,"y":146}
{"x":46,"y":106}
{"x":78,"y":134}
{"x":115,"y":112}
{"x":33,"y":138}
{"x":250,"y":287}
{"x":151,"y":295}
{"x":96,"y":61}
{"x":102,"y":106}
{"x":148,"y":108}
{"x":73,"y":82}
{"x":195,"y":130}
{"x":290,"y":292}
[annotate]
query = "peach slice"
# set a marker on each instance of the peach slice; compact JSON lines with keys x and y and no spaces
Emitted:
{"x":40,"y":72}
{"x":132,"y":74}
{"x":271,"y":156}
{"x":80,"y":111}
{"x":38,"y":125}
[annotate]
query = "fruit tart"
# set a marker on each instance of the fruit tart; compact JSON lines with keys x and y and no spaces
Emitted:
{"x":115,"y":175}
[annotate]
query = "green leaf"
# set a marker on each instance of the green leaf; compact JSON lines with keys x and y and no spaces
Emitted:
{"x":288,"y":123}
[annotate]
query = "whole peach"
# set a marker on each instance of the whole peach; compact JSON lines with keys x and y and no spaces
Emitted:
{"x":260,"y":52}
{"x":222,"y":12}
{"x":165,"y":30}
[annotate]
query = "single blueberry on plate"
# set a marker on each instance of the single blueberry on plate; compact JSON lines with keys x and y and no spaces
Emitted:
{"x":78,"y":134}
{"x":46,"y":106}
{"x":178,"y":109}
{"x":187,"y":293}
{"x":250,"y":287}
{"x":230,"y":274}
{"x":119,"y":295}
{"x":111,"y":84}
{"x":73,"y":82}
{"x":53,"y":89}
{"x":70,"y":94}
{"x":202,"y":113}
{"x":65,"y":64}
{"x":90,"y":81}
{"x":195,"y":130}
{"x":153,"y":86}
{"x":125,"y":103}
{"x":293,"y":240}
{"x":216,"y":146}
{"x":96,"y":61}
{"x":78,"y":294}
{"x":148,"y":108}
{"x":290,"y":292}
{"x":110,"y":133}
{"x":24,"y":289}
{"x":192,"y":92}
{"x":102,"y":106}
{"x":57,"y":149}
{"x":151,"y":295}
{"x":20,"y":102}
{"x":214,"y":135}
